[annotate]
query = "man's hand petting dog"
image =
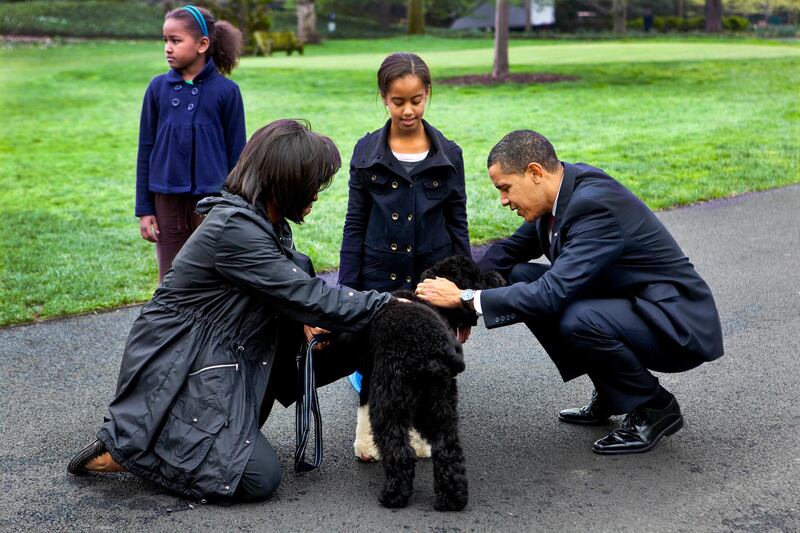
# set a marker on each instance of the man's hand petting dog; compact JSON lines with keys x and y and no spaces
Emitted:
{"x":440,"y":292}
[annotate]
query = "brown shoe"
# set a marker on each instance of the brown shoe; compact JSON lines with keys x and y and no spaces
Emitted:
{"x":93,"y":458}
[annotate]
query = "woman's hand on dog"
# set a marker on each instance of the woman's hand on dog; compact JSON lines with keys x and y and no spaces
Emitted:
{"x":311,"y":332}
{"x":440,"y":292}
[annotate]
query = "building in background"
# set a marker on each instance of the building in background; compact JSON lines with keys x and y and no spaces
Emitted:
{"x":543,"y":14}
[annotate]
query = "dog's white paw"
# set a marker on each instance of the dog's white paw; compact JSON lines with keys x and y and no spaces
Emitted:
{"x":364,"y":445}
{"x":421,"y":447}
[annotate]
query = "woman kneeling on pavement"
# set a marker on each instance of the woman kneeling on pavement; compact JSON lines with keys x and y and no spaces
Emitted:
{"x":216,"y":345}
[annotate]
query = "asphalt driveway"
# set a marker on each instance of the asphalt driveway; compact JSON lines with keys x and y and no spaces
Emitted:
{"x":734,"y":467}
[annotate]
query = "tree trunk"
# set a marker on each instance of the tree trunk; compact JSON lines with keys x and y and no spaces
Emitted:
{"x":526,"y":5}
{"x":713,"y":16}
{"x":500,"y":68}
{"x":680,"y":9}
{"x":307,"y":22}
{"x":619,"y":12}
{"x":385,"y":14}
{"x":416,"y":17}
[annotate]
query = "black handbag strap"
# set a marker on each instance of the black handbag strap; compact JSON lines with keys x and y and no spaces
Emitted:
{"x":307,"y":404}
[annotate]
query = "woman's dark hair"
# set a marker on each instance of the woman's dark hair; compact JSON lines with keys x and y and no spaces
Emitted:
{"x":400,"y":65}
{"x":225,"y":40}
{"x":284,"y":164}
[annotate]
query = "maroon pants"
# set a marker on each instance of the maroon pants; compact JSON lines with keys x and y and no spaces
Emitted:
{"x":176,"y":222}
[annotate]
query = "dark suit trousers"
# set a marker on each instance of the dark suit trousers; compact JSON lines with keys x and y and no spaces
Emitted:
{"x":613,"y":345}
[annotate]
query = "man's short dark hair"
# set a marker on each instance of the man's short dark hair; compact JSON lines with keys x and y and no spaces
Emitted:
{"x":519,"y":148}
{"x":284,"y":164}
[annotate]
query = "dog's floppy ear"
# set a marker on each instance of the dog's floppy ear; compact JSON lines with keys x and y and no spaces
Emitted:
{"x":456,"y":360}
{"x":451,"y":363}
{"x":491,"y":280}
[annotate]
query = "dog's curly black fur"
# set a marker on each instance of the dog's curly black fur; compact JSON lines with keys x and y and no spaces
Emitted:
{"x":411,"y":358}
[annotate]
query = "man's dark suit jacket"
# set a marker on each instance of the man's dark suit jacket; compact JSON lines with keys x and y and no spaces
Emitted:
{"x":606,"y":244}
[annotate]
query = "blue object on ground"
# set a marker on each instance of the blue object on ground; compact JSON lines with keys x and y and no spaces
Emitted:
{"x":355,"y":381}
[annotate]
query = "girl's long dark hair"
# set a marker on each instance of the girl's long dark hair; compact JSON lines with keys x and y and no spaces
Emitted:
{"x":400,"y":65}
{"x":225,"y":39}
{"x":284,"y":164}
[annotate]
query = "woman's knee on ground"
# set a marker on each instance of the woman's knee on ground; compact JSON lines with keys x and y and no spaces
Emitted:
{"x":262,"y":475}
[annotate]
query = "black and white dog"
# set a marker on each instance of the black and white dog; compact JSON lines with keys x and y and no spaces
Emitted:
{"x":409,"y":399}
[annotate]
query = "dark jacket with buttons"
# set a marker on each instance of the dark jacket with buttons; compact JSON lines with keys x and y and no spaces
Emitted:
{"x":398,"y":224}
{"x":190,"y":136}
{"x":606,"y":244}
{"x":201,"y":353}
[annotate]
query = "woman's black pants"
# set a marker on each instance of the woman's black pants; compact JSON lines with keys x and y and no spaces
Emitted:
{"x":262,"y":474}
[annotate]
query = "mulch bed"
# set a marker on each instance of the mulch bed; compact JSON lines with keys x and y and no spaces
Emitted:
{"x":487,"y":79}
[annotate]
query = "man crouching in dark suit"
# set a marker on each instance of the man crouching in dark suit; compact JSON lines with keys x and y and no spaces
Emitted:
{"x":619,"y":299}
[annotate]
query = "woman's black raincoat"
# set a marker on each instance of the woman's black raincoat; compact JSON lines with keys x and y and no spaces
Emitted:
{"x":199,"y":357}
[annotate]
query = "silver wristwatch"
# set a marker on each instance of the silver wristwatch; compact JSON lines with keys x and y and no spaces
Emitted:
{"x":467,"y":299}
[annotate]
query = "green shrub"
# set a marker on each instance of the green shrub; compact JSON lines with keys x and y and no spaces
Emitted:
{"x":674,"y":24}
{"x":92,"y":18}
{"x":347,"y":27}
{"x":735,"y":23}
{"x":782,"y":31}
{"x":694,"y":24}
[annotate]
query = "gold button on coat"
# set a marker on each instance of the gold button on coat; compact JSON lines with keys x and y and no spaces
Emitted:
{"x":395,"y":185}
{"x":408,"y":279}
{"x":374,"y":178}
{"x":410,"y":216}
{"x":435,"y":183}
{"x":392,"y":276}
{"x":408,"y":248}
{"x":393,"y":246}
{"x":395,"y":216}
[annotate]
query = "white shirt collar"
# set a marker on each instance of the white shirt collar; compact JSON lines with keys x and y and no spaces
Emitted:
{"x":555,"y":204}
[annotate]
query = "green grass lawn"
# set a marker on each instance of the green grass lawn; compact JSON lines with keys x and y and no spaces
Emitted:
{"x":676,"y":121}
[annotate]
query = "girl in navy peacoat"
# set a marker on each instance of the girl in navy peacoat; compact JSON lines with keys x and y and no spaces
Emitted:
{"x":408,"y":202}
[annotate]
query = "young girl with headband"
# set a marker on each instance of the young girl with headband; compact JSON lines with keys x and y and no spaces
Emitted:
{"x":191,"y":131}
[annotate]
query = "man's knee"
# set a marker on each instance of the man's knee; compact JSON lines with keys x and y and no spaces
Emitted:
{"x":580,"y":322}
{"x":527,"y":272}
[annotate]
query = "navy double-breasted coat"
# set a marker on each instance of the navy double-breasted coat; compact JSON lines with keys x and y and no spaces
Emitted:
{"x":199,"y":357}
{"x":190,"y":136}
{"x":398,"y":224}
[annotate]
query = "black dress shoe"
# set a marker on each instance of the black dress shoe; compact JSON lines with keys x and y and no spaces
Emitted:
{"x":641,"y":430}
{"x":77,"y":466}
{"x":589,"y":415}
